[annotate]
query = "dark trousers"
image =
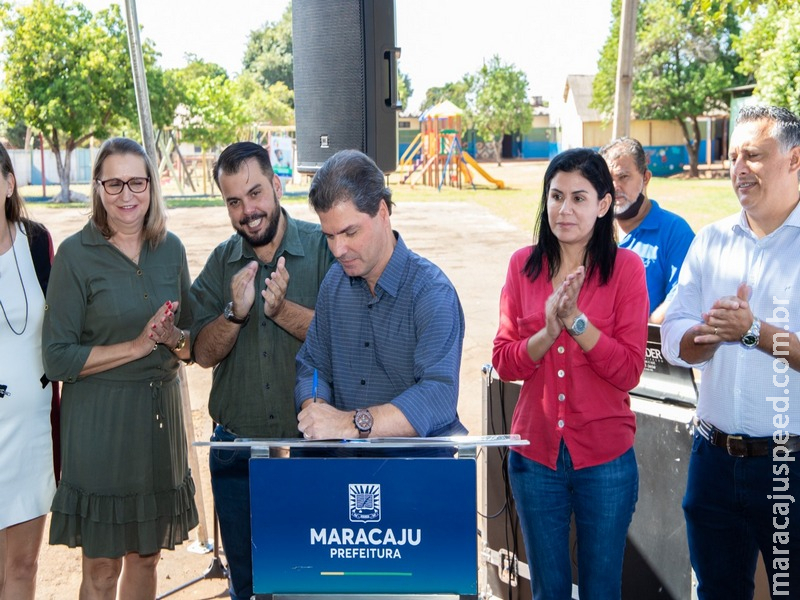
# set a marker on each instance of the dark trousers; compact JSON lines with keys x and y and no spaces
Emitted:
{"x":230,"y":483}
{"x":734,"y":507}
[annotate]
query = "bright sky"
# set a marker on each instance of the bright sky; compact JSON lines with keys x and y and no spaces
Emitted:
{"x":440,"y":40}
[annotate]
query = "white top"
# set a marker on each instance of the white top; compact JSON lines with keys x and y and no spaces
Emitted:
{"x":27,"y":483}
{"x":742,"y":390}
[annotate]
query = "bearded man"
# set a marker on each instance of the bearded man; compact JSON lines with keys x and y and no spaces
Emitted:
{"x":250,"y":321}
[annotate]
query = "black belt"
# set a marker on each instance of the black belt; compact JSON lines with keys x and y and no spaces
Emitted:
{"x":741,"y":446}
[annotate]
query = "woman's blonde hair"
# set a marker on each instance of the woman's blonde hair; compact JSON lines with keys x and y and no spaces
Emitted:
{"x":155,"y":221}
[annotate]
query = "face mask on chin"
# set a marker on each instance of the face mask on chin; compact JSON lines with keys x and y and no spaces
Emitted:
{"x":632,"y":210}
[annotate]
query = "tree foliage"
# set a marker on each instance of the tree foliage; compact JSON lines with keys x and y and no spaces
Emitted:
{"x":211,"y":111}
{"x":500,"y":102}
{"x":456,"y":92}
{"x":268,"y":55}
{"x":770,"y":51}
{"x":67,"y":74}
{"x":404,"y":89}
{"x":605,"y":82}
{"x":272,"y":106}
{"x":718,"y":11}
{"x":682,"y":66}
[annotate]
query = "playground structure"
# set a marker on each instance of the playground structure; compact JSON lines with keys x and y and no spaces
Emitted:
{"x":181,"y":164}
{"x":436,"y":156}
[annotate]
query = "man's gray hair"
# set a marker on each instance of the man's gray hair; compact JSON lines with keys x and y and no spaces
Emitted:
{"x":626,"y":146}
{"x":786,"y":128}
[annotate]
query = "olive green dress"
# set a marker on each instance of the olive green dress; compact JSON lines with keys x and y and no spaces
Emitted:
{"x":125,"y":483}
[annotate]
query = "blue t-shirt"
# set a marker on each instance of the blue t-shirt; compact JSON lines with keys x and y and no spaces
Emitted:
{"x":662,"y":240}
{"x":401,"y":346}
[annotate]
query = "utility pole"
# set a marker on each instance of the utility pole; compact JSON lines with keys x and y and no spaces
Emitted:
{"x":140,"y":82}
{"x":149,"y":142}
{"x":627,"y":43}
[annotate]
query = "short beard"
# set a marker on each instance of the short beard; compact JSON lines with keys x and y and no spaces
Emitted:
{"x":269,"y":233}
{"x":632,"y":210}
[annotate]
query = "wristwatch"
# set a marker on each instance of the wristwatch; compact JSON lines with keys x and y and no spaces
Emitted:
{"x":231,"y":316}
{"x":578,"y":325}
{"x":181,"y":342}
{"x":363,"y":421}
{"x":753,"y":335}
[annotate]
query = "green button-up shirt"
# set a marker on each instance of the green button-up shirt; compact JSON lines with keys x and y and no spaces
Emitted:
{"x":252,"y":388}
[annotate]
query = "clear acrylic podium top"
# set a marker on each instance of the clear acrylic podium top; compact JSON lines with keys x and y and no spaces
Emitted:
{"x":465,"y":445}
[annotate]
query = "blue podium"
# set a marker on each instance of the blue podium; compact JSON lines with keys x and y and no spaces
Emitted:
{"x":385,"y":517}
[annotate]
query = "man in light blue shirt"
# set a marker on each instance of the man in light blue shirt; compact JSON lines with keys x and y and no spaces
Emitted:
{"x":388,"y":330}
{"x":736,"y":316}
{"x":660,"y":237}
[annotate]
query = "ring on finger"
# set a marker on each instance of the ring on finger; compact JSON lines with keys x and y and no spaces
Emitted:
{"x":715,"y":331}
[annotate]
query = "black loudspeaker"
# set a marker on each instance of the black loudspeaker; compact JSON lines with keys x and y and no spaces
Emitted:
{"x":345,"y":80}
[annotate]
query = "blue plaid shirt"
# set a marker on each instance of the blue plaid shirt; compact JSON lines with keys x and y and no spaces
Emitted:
{"x":402,"y":345}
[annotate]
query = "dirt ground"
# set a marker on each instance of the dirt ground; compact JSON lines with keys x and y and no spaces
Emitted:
{"x":466,"y":240}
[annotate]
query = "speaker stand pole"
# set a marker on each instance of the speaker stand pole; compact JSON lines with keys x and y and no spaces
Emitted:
{"x":216,"y":570}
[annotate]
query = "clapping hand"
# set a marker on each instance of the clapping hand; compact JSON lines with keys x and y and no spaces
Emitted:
{"x":570,"y":289}
{"x":160,"y":329}
{"x":274,"y":293}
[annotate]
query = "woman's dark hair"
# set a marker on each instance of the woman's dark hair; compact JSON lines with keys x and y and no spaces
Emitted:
{"x":14,"y":207}
{"x":349,"y":176}
{"x":238,"y":153}
{"x":602,"y":247}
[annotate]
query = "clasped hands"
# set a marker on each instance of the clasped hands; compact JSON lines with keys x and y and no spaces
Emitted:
{"x":161,"y":329}
{"x":727,"y":320}
{"x":561,"y":307}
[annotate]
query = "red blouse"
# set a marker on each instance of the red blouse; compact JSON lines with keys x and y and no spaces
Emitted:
{"x":580,"y":396}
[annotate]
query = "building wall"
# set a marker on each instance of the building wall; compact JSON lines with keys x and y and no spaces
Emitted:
{"x":28,"y":166}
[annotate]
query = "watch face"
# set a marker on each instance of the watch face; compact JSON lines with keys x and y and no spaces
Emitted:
{"x":363,"y":420}
{"x":579,"y":325}
{"x":749,"y":340}
{"x":231,"y":316}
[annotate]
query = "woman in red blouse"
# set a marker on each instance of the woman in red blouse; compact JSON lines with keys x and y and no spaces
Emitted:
{"x":573,"y":328}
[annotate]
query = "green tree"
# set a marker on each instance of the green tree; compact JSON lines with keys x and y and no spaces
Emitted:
{"x":404,"y":89}
{"x":456,"y":92}
{"x":211,"y":111}
{"x":718,"y":11}
{"x":682,"y":66}
{"x":500,"y":104}
{"x":67,"y":74}
{"x":770,"y":51}
{"x":272,"y":106}
{"x":605,"y":82}
{"x":15,"y":133}
{"x":268,"y":54}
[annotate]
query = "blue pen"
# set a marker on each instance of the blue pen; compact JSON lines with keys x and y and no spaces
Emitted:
{"x":315,"y":384}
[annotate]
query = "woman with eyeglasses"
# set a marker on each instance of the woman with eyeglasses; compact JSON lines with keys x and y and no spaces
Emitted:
{"x":115,"y":328}
{"x":27,"y":481}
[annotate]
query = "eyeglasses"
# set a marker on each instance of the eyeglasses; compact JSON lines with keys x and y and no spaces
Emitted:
{"x":114,"y":187}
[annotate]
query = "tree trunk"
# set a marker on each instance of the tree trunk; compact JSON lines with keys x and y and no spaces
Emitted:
{"x":692,"y":144}
{"x":498,"y":150}
{"x":62,"y":165}
{"x":694,"y":150}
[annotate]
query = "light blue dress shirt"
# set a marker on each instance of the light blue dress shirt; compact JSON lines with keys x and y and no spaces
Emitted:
{"x":742,"y":390}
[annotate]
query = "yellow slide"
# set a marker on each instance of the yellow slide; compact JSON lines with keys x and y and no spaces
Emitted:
{"x":474,"y":164}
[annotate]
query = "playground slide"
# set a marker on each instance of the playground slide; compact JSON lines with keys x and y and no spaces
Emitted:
{"x":474,"y":164}
{"x":417,"y":175}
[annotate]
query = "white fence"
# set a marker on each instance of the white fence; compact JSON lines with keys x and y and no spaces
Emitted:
{"x":28,"y":166}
